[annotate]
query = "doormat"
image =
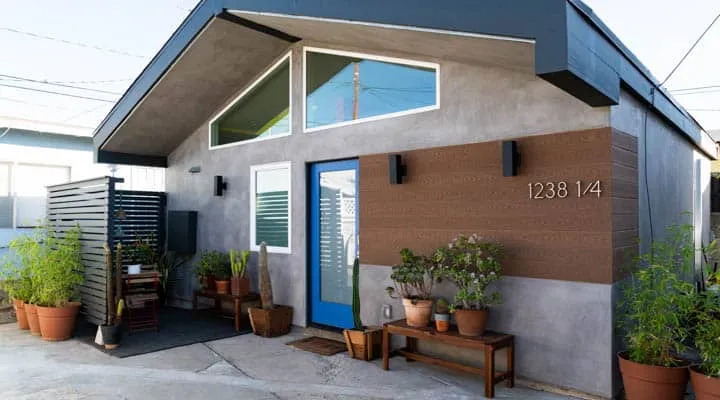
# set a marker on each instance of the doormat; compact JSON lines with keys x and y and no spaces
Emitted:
{"x":177,"y":328}
{"x":318,"y":345}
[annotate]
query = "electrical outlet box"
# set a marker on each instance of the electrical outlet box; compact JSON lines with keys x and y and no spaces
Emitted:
{"x":387,"y":311}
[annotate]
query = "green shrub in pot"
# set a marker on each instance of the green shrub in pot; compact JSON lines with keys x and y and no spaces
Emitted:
{"x":654,"y":310}
{"x":414,"y":278}
{"x":705,"y":377}
{"x":473,"y":265}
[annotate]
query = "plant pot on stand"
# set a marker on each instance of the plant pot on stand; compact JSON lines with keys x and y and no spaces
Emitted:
{"x":58,"y":323}
{"x":442,"y":315}
{"x":270,"y":320}
{"x":239,"y":284}
{"x":417,"y":312}
{"x":22,"y":320}
{"x":222,"y":286}
{"x":471,"y":322}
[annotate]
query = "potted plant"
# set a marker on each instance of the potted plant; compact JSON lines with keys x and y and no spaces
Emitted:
{"x":442,"y":315}
{"x":473,"y":266}
{"x":60,"y":273}
{"x":22,"y":271}
{"x":167,"y":264}
{"x":207,"y":266}
{"x":16,"y":280}
{"x":414,"y":279}
{"x":239,"y":284}
{"x":363,"y":343}
{"x":653,"y":313}
{"x":270,"y":320}
{"x":222,"y":277}
{"x":705,"y":377}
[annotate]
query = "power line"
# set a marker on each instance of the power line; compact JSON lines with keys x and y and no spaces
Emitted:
{"x":695,"y":88}
{"x":57,"y":93}
{"x":19,"y":78}
{"x":69,"y":42}
{"x":691,"y":49}
{"x":705,"y":109}
{"x":81,"y":113}
{"x":34,"y":104}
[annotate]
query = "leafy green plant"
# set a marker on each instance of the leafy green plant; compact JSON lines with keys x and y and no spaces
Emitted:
{"x":60,"y":272}
{"x":442,"y":306}
{"x":413,"y":278}
{"x":212,"y":263}
{"x":657,"y":302}
{"x":707,"y":332}
{"x":473,"y":266}
{"x":19,"y":265}
{"x":144,"y":251}
{"x":239,"y":262}
{"x":166,"y":265}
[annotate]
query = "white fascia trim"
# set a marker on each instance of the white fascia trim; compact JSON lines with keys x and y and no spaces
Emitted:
{"x":270,"y":70}
{"x":392,"y":60}
{"x":253,"y":176}
{"x":389,"y":26}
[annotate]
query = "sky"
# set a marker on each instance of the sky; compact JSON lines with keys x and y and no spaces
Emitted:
{"x":103,"y":45}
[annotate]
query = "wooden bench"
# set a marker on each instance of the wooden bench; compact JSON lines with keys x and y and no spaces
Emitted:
{"x":219,"y":298}
{"x":490,"y":342}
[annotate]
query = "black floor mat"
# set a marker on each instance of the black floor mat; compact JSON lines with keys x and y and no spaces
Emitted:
{"x":177,"y":328}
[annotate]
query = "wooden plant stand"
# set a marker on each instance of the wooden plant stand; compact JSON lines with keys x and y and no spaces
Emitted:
{"x":489,"y":343}
{"x":237,"y":303}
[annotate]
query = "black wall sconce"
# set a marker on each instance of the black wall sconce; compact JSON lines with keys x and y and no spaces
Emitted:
{"x":397,"y":169}
{"x":220,"y":185}
{"x":510,"y":158}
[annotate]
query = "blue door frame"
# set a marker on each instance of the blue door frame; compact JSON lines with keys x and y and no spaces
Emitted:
{"x":323,"y":312}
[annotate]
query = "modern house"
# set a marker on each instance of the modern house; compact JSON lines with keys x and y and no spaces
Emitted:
{"x":34,"y":156}
{"x":297,"y":106}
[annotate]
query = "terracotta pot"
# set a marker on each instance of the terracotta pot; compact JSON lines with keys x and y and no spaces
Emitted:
{"x":222,"y":287}
{"x":22,"y":320}
{"x":58,"y":323}
{"x":442,"y":322}
{"x":418,"y":312}
{"x":239,"y":286}
{"x":652,"y":382}
{"x":705,"y":387}
{"x":32,"y":318}
{"x":471,"y":322}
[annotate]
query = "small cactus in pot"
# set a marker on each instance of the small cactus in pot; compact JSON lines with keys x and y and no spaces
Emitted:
{"x":442,"y":315}
{"x":363,"y":343}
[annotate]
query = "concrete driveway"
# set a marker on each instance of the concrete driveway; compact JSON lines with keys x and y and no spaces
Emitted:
{"x":245,"y":367}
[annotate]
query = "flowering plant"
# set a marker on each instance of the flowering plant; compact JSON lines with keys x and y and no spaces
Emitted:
{"x":472,"y":265}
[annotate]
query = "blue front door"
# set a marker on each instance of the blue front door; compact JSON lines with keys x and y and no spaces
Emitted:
{"x":333,"y":241}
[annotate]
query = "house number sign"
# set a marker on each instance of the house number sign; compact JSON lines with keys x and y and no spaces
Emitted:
{"x":563,"y":189}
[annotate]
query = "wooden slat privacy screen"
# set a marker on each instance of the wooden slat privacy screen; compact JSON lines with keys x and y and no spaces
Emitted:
{"x":93,"y":205}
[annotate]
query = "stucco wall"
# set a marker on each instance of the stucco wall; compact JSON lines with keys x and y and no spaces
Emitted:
{"x":478,"y":104}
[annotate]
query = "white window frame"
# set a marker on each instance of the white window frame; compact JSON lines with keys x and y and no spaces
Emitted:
{"x":255,"y":83}
{"x":254,"y":169}
{"x":400,"y":61}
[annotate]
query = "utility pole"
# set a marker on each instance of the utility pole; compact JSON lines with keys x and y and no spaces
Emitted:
{"x":356,"y":91}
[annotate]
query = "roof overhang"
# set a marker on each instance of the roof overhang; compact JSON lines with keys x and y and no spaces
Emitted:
{"x":572,"y":49}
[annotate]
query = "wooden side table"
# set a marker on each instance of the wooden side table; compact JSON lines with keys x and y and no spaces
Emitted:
{"x":490,"y":342}
{"x":219,"y":298}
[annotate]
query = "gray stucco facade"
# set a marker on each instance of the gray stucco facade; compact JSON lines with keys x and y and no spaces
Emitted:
{"x":564,"y":329}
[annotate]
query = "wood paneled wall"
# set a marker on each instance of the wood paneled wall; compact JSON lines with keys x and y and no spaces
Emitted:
{"x":461,"y":189}
{"x":624,"y":201}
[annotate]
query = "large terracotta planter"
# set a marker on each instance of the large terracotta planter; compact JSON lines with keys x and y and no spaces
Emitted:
{"x":222,"y":287}
{"x":418,"y":312}
{"x":32,"y":318}
{"x":239,"y":286}
{"x":652,"y":382}
{"x":22,"y":320}
{"x":58,"y":323}
{"x":471,"y":322}
{"x":705,"y":387}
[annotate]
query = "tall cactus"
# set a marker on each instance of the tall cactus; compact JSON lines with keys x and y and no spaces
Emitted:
{"x":266,"y":295}
{"x":357,"y":321}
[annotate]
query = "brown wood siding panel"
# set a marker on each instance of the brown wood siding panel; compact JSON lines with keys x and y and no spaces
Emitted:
{"x":460,"y":189}
{"x":625,"y":207}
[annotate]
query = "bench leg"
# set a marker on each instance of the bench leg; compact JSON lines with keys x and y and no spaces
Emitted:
{"x":510,"y":377}
{"x":195,"y":305}
{"x":237,"y":315}
{"x":489,"y":372}
{"x":386,"y":349}
{"x":410,"y":346}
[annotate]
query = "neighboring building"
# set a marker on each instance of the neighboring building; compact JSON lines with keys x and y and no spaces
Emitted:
{"x":31,"y":160}
{"x":297,"y":105}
